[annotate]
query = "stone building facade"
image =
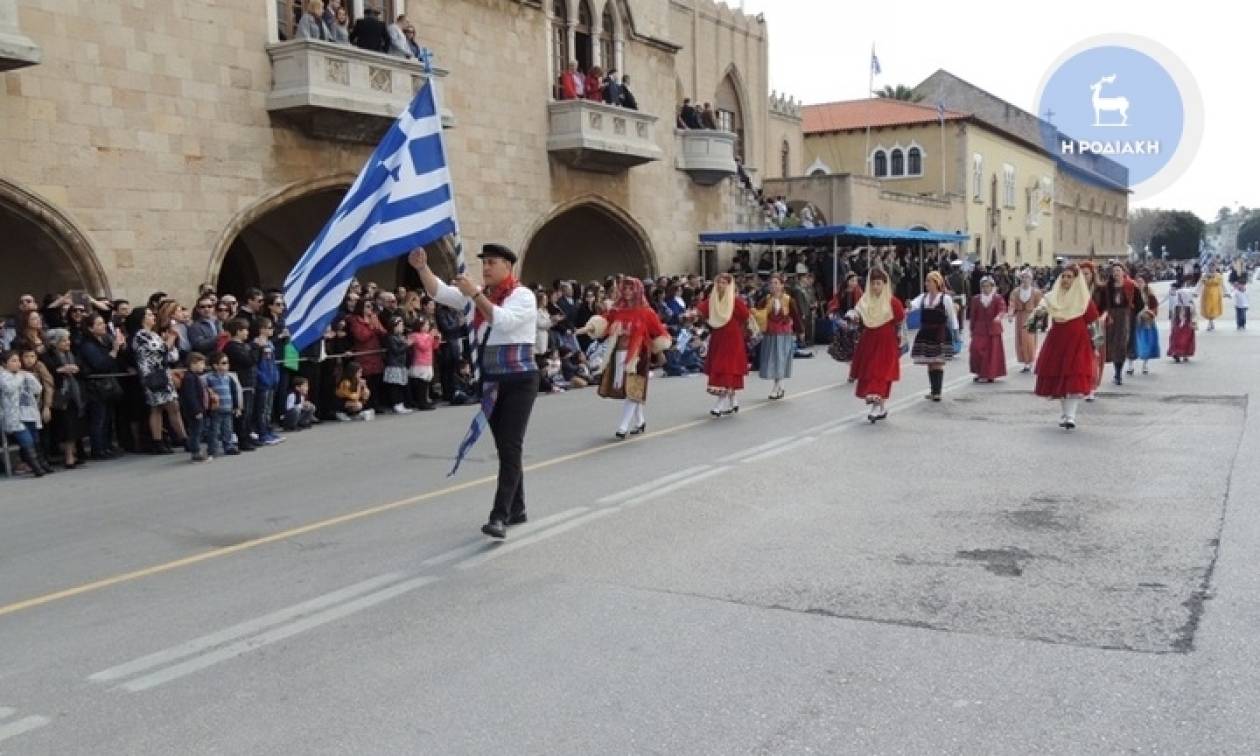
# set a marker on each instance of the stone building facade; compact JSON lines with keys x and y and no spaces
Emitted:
{"x":163,"y":146}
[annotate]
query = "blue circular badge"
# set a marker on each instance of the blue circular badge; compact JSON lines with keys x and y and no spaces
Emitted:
{"x":1122,"y":101}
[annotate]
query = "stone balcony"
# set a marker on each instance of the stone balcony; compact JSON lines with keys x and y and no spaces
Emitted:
{"x":340,"y":91}
{"x":596,"y":137}
{"x":16,"y":49}
{"x":709,"y":156}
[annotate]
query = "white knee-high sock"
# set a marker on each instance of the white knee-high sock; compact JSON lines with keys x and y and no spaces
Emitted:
{"x":720,"y":406}
{"x":627,"y":414}
{"x":639,"y":418}
{"x":1070,"y":404}
{"x":1063,"y":404}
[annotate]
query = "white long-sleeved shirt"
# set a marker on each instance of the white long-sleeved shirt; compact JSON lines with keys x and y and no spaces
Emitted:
{"x":515,"y":321}
{"x":921,"y":302}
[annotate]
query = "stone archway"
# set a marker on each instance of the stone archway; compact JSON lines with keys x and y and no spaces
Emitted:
{"x":43,"y":251}
{"x":586,"y":240}
{"x":261,"y":245}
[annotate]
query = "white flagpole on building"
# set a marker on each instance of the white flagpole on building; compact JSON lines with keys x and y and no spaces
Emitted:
{"x":940,"y":107}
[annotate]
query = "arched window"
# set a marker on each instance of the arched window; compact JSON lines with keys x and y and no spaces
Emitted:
{"x":914,"y":158}
{"x":582,"y":41}
{"x":977,"y":176}
{"x":730,"y":113}
{"x":607,"y":54}
{"x":785,"y":158}
{"x":560,"y":55}
{"x":881,"y":164}
{"x":898,"y":162}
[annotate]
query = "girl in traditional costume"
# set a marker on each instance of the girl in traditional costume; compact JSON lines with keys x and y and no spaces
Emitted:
{"x":1065,"y":366}
{"x":877,"y":360}
{"x":1145,"y":340}
{"x":1099,"y":296}
{"x":1024,"y":300}
{"x":1181,"y":312}
{"x":1212,"y":296}
{"x":988,"y":355}
{"x":845,"y":340}
{"x":635,"y":333}
{"x":726,"y":363}
{"x":938,"y":323}
{"x":783,"y":326}
{"x":1120,"y":296}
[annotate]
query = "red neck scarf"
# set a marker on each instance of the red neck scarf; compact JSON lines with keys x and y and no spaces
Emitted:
{"x":634,"y":315}
{"x":497,"y":296}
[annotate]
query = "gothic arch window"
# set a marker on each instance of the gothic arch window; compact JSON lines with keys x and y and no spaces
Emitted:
{"x":583,"y":41}
{"x":730,"y":113}
{"x":914,"y":162}
{"x":785,"y":158}
{"x":607,"y":50}
{"x":881,"y":163}
{"x":560,"y":54}
{"x":898,"y":162}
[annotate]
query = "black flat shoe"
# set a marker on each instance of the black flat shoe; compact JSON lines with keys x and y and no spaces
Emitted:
{"x":716,"y":413}
{"x":495,"y":529}
{"x":621,"y":435}
{"x":642,"y":427}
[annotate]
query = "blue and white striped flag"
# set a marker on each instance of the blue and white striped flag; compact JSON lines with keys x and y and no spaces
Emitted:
{"x":875,"y":69}
{"x":401,"y":200}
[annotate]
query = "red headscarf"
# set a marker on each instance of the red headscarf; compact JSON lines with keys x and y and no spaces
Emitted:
{"x":639,"y":323}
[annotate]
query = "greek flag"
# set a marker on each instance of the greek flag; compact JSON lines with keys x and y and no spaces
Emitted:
{"x":875,"y":69}
{"x":401,"y":200}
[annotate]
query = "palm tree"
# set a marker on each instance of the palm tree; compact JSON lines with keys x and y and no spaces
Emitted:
{"x":900,"y":92}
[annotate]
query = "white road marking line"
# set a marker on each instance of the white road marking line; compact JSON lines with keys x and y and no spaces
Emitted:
{"x":249,"y":627}
{"x":6,"y":712}
{"x":814,"y":429}
{"x":630,"y":493}
{"x":778,"y":450}
{"x":675,"y":486}
{"x":529,"y":527}
{"x":511,"y":546}
{"x":21,"y":726}
{"x":274,"y":635}
{"x":737,"y":456}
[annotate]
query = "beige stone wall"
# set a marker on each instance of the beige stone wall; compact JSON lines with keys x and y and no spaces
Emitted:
{"x":1023,"y":234}
{"x":1090,"y":220}
{"x":146,"y":127}
{"x":784,"y":130}
{"x":845,"y":153}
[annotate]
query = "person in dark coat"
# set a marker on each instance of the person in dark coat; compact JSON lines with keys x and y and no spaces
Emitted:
{"x":369,"y":32}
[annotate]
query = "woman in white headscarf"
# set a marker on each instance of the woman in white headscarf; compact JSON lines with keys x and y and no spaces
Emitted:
{"x":988,"y":355}
{"x":726,"y":363}
{"x":1023,"y":301}
{"x":1066,"y":364}
{"x":877,"y":359}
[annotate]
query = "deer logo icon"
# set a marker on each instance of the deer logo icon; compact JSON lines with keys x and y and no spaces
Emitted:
{"x":1108,"y":104}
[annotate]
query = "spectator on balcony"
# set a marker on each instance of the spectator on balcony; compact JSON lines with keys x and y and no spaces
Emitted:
{"x":708,"y":118}
{"x":627,"y":97}
{"x":595,"y":84}
{"x":417,"y":52}
{"x":340,"y":26}
{"x":369,"y":32}
{"x":572,"y":83}
{"x":612,"y":88}
{"x":311,"y":25}
{"x":688,"y":118}
{"x":398,"y":38}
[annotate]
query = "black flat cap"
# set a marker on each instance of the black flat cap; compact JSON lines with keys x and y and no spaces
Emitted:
{"x":498,"y":250}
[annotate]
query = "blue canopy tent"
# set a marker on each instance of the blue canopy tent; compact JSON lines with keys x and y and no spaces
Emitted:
{"x":837,"y":235}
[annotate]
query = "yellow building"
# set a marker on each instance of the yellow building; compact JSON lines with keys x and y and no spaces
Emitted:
{"x":999,"y":187}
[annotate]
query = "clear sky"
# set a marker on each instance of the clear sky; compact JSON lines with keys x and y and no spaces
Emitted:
{"x":819,"y":52}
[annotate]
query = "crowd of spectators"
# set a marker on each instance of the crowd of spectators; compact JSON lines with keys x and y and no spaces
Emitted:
{"x":610,"y":88}
{"x":332,"y":22}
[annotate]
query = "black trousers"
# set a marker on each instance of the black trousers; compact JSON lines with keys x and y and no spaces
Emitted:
{"x":508,"y":422}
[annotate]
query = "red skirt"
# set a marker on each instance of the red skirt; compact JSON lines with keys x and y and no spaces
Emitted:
{"x":1067,"y":363}
{"x":877,"y":361}
{"x":1181,"y":342}
{"x":988,"y":357}
{"x":727,"y":361}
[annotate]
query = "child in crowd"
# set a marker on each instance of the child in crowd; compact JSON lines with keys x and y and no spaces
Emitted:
{"x":464,"y":392}
{"x":353,"y":393}
{"x":37,"y":396}
{"x":1240,"y":302}
{"x":243,"y":359}
{"x":574,"y":368}
{"x":224,"y":401}
{"x":552,"y":373}
{"x":395,"y":378}
{"x":299,"y":411}
{"x":424,"y":341}
{"x":268,"y":379}
{"x":194,"y":402}
{"x":13,"y":382}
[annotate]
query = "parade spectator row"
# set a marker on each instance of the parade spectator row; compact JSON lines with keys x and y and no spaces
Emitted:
{"x":331,"y":22}
{"x":609,"y":88}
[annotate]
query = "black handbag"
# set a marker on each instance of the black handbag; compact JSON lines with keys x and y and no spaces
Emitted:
{"x":157,"y":381}
{"x":107,"y":389}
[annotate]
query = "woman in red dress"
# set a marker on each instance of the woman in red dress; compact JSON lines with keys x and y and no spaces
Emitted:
{"x":877,"y":359}
{"x":1067,"y":362}
{"x":1098,"y":294}
{"x":988,"y":355}
{"x":727,"y":361}
{"x":635,"y":335}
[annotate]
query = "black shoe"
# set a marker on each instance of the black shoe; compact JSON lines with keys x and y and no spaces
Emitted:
{"x":1069,"y":424}
{"x":494,"y":529}
{"x":163,"y":448}
{"x":642,"y":427}
{"x":518,"y":519}
{"x":936,"y":397}
{"x":249,"y":448}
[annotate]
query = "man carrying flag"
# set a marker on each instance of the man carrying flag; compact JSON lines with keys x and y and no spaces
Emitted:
{"x":505,"y":326}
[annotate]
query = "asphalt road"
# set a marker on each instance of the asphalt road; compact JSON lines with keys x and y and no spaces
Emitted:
{"x":964,"y":577}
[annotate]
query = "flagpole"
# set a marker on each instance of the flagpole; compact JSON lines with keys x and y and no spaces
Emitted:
{"x":870,"y":89}
{"x":942,"y":151}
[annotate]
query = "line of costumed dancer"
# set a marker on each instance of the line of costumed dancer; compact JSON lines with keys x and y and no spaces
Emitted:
{"x":637,"y":336}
